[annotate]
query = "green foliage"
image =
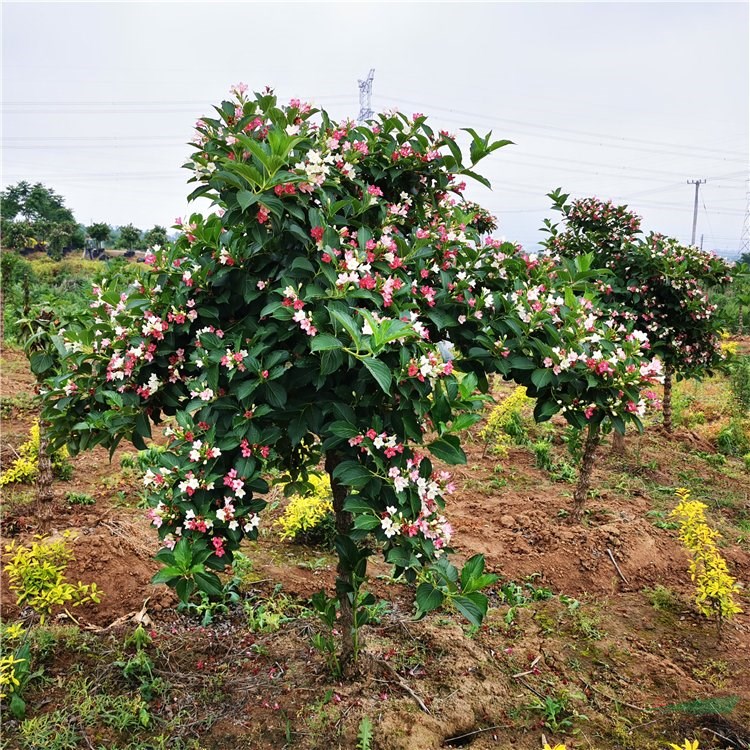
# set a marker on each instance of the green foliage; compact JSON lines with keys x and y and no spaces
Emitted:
{"x":364,"y":734}
{"x":79,"y":498}
{"x":739,"y":380}
{"x":543,"y":454}
{"x":37,"y":576}
{"x":442,"y":583}
{"x":734,"y":438}
{"x":558,"y":710}
{"x":657,"y":281}
{"x":662,"y":599}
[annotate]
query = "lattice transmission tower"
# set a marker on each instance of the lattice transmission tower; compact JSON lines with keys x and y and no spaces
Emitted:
{"x":365,"y":97}
{"x":745,"y":238}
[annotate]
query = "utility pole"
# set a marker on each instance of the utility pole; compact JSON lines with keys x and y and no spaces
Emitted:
{"x":365,"y":97}
{"x":697,"y":184}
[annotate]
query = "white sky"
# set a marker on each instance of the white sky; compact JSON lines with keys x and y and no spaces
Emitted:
{"x":620,"y":100}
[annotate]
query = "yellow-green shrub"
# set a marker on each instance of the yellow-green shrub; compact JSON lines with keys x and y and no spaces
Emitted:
{"x":37,"y":576}
{"x":715,"y":588}
{"x":306,"y":513}
{"x":25,"y":468}
{"x":495,"y":432}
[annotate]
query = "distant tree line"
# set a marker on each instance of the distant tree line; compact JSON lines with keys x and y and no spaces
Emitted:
{"x":34,"y":217}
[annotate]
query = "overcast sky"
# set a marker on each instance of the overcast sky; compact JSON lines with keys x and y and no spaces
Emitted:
{"x":620,"y":100}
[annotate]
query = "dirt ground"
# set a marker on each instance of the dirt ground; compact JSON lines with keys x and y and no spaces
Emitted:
{"x":602,"y":643}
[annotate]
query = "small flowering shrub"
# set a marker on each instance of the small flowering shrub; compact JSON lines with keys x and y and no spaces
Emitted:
{"x":308,"y":518}
{"x":25,"y":468}
{"x":340,"y":307}
{"x":715,"y":588}
{"x":495,"y":432}
{"x":37,"y":577}
{"x":653,"y":283}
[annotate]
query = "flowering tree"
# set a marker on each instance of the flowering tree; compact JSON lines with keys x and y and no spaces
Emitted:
{"x":339,"y":308}
{"x":655,"y":283}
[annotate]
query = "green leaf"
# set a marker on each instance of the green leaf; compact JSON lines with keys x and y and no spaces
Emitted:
{"x":41,"y":362}
{"x":472,"y":606}
{"x":464,"y":421}
{"x":478,"y":177}
{"x":347,"y":322}
{"x":380,"y":371}
{"x":246,"y":199}
{"x":428,"y":598}
{"x":184,"y":588}
{"x":356,"y":504}
{"x":352,"y":474}
{"x":343,"y":429}
{"x":541,"y":377}
{"x":366,"y":523}
{"x":323,"y":342}
{"x":209,"y":583}
{"x":473,"y":567}
{"x":448,"y":449}
{"x":543,"y":410}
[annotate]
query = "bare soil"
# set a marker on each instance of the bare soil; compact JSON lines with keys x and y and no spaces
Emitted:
{"x":602,"y":647}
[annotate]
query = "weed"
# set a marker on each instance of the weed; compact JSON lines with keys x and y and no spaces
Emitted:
{"x":662,"y":599}
{"x":733,"y":439}
{"x":557,"y":711}
{"x":210,"y":609}
{"x":739,"y":382}
{"x":563,"y":471}
{"x":53,"y":731}
{"x":715,"y":672}
{"x":269,"y":615}
{"x":587,"y":626}
{"x":543,"y":454}
{"x":715,"y":460}
{"x":660,"y":520}
{"x":79,"y":498}
{"x":364,"y":735}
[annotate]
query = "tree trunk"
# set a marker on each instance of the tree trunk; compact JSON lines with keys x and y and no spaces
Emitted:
{"x":667,"y":404}
{"x":344,"y":575}
{"x":26,"y":295}
{"x":584,"y":475}
{"x":44,"y":493}
{"x":618,"y":443}
{"x":2,"y":315}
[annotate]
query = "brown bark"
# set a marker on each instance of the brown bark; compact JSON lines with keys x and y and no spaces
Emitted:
{"x":618,"y":443}
{"x":584,"y":475}
{"x":344,"y":575}
{"x":667,"y":404}
{"x":44,"y":493}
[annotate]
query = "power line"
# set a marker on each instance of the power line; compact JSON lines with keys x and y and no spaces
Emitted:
{"x":493,"y":118}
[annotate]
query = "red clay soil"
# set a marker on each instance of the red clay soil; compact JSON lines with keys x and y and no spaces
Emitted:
{"x":514,"y":518}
